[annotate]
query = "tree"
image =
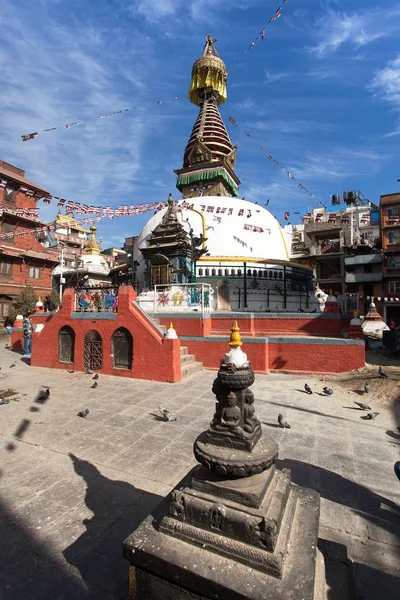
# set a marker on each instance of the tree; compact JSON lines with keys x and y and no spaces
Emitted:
{"x":55,"y":297}
{"x":25,"y":302}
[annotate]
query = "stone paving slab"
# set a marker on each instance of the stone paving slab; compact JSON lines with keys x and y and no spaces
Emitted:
{"x":74,"y":488}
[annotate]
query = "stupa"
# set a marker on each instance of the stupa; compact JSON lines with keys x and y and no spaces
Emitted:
{"x":225,"y":530}
{"x":373,"y":325}
{"x":237,"y":235}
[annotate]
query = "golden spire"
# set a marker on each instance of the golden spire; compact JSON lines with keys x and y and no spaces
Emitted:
{"x":92,"y":246}
{"x":208,"y":74}
{"x":235,"y":339}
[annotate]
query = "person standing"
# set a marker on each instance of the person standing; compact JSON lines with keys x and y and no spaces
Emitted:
{"x":27,"y":329}
{"x":392,"y":324}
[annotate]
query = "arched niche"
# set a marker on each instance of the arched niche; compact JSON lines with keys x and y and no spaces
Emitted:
{"x":122,"y":349}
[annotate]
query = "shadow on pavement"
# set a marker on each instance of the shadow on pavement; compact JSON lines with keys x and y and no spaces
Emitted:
{"x":118,"y":508}
{"x":94,"y":568}
{"x":350,"y":580}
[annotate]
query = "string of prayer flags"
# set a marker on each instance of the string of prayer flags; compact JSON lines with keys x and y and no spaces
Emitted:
{"x":31,"y":136}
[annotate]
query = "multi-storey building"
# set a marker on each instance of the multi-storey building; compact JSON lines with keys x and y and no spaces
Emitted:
{"x":23,"y":260}
{"x":389,"y":209}
{"x":342,"y":246}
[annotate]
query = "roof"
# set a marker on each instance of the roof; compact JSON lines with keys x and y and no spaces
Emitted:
{"x":20,"y":252}
{"x":14,"y":174}
{"x":64,"y":219}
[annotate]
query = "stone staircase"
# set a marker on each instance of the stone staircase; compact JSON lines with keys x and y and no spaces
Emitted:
{"x":189,"y":365}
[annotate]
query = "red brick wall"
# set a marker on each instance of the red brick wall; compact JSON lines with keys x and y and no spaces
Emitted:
{"x":20,"y":278}
{"x":210,"y":353}
{"x":197,"y":326}
{"x":291,"y":357}
{"x":316,"y":358}
{"x":262,"y":326}
{"x":154,"y":357}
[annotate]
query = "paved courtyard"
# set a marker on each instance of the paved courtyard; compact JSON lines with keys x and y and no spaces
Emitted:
{"x":72,"y":489}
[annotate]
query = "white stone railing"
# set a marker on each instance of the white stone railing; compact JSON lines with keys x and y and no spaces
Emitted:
{"x":182,"y":297}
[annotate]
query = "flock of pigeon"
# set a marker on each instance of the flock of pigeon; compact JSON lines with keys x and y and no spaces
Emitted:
{"x":329,"y":391}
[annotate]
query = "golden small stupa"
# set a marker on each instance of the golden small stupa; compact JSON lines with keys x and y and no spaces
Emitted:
{"x":235,"y":339}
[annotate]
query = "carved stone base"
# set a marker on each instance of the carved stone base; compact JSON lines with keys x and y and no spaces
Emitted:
{"x":192,"y":561}
{"x":249,"y":535}
{"x":236,"y":463}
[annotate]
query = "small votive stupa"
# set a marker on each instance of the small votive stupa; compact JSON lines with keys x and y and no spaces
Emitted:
{"x":373,"y":325}
{"x":235,"y":527}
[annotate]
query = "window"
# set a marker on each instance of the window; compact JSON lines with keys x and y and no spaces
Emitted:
{"x":394,"y":287}
{"x":393,"y":212}
{"x":10,"y":194}
{"x":8,"y":228}
{"x":393,"y":237}
{"x":4,"y":309}
{"x":34,"y":273}
{"x":393,"y":262}
{"x":5,"y":269}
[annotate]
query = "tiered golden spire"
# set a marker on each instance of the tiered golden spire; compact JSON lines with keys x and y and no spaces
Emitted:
{"x":208,"y":73}
{"x":92,"y":246}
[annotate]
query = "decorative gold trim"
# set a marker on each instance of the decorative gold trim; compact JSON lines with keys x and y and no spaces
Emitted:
{"x":132,"y":595}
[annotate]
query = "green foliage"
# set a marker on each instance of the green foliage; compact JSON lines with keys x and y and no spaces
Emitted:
{"x":55,"y":297}
{"x":24,"y":302}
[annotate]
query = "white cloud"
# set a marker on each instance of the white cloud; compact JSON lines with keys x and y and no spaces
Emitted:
{"x":338,"y":164}
{"x":336,"y":29}
{"x":386,"y":82}
{"x":272,"y":77}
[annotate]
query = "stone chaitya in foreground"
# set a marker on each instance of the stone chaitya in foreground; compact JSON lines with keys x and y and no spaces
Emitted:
{"x":235,"y":527}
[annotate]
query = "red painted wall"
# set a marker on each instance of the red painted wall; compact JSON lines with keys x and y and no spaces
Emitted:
{"x":210,"y":353}
{"x":197,"y":326}
{"x":293,"y":358}
{"x":263,"y":326}
{"x":316,"y":358}
{"x":154,"y":357}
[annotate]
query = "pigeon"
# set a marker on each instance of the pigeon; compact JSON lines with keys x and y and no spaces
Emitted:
{"x":96,"y":376}
{"x":42,"y":397}
{"x":94,"y":386}
{"x":89,"y":372}
{"x":382,"y":373}
{"x":362,"y":405}
{"x":83,"y":413}
{"x":166,"y":415}
{"x":372,"y":415}
{"x":13,"y":365}
{"x":71,"y":371}
{"x":327,"y":391}
{"x":308,"y":389}
{"x":282,"y":422}
{"x":366,"y":387}
{"x":397,"y":469}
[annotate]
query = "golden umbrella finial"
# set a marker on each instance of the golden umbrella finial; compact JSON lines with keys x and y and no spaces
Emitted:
{"x":171,"y":326}
{"x":235,"y":339}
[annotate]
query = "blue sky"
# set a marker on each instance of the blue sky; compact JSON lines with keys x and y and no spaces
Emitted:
{"x":321,"y":94}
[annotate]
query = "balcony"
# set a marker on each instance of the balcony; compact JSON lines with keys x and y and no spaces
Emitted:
{"x":362,"y":277}
{"x":363,"y":259}
{"x":391,"y":221}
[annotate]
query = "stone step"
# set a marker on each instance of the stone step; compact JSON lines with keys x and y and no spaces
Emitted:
{"x":188,"y":369}
{"x":184,"y":350}
{"x":187,"y":358}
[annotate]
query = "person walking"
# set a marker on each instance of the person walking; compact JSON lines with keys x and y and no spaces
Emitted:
{"x":27,"y":329}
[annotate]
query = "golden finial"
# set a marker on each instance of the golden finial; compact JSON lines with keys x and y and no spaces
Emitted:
{"x":331,"y":292}
{"x":355,"y":314}
{"x":235,"y":339}
{"x":92,"y":246}
{"x":208,"y":73}
{"x":171,"y":326}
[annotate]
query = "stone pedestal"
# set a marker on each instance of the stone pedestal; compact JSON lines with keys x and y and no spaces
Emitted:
{"x":235,"y":527}
{"x":271,"y":555}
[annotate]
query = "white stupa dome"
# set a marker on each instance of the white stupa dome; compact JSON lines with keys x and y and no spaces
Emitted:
{"x":250,"y":230}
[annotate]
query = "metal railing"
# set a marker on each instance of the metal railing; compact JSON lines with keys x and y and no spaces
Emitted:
{"x":182,"y":297}
{"x":96,"y":299}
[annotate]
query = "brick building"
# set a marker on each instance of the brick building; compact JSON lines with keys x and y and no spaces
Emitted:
{"x":23,"y":260}
{"x":389,"y":209}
